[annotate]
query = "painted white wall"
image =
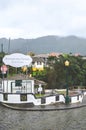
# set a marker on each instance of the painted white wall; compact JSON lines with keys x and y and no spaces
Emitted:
{"x":50,"y":99}
{"x":41,"y":65}
{"x":80,"y":98}
{"x":61,"y":98}
{"x":31,"y":98}
{"x":29,"y":84}
{"x":15,"y":98}
{"x":6,"y":85}
{"x":75,"y":99}
{"x":84,"y":93}
{"x":1,"y":97}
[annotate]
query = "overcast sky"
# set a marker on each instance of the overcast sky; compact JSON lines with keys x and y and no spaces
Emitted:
{"x":35,"y":18}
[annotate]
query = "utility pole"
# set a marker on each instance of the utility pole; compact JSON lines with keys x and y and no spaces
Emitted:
{"x":2,"y":48}
{"x":9,"y":47}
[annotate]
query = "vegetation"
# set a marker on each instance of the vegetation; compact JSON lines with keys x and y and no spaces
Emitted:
{"x":2,"y":54}
{"x":55,"y":74}
{"x":76,"y":72}
{"x":39,"y":95}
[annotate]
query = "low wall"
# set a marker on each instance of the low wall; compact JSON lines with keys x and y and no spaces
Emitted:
{"x":76,"y":98}
{"x":52,"y":99}
{"x":84,"y":93}
{"x":30,"y":98}
{"x":19,"y":98}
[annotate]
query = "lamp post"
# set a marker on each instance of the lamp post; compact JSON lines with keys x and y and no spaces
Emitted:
{"x":67,"y":100}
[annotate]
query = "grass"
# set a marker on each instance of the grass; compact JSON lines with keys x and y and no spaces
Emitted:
{"x":39,"y":95}
{"x":64,"y":92}
{"x":61,"y":92}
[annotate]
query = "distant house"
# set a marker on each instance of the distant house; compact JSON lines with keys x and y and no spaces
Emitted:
{"x":39,"y":62}
{"x":55,"y":54}
{"x":84,"y":57}
{"x":44,"y":57}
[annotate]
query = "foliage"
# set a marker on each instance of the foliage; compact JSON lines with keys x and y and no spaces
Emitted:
{"x":39,"y":95}
{"x":2,"y":54}
{"x":31,"y":53}
{"x":56,"y":73}
{"x":41,"y":75}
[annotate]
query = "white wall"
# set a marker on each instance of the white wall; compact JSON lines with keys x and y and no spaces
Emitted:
{"x":50,"y":99}
{"x":84,"y":93}
{"x":77,"y":98}
{"x":29,"y":84}
{"x":62,"y":99}
{"x":15,"y":98}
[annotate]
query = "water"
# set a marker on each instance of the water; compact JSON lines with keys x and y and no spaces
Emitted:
{"x":73,"y":119}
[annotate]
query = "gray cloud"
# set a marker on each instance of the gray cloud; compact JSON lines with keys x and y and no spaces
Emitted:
{"x":33,"y":18}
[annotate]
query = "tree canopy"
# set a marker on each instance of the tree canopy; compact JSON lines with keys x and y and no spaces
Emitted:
{"x":56,"y":73}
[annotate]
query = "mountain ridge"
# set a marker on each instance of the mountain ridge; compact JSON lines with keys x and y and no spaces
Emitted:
{"x":45,"y":44}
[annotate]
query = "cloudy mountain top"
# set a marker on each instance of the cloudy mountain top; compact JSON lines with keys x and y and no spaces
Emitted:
{"x":45,"y":44}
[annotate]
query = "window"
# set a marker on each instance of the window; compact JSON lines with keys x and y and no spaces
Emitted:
{"x":23,"y":97}
{"x":38,"y":63}
{"x":5,"y":97}
{"x":18,"y":82}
